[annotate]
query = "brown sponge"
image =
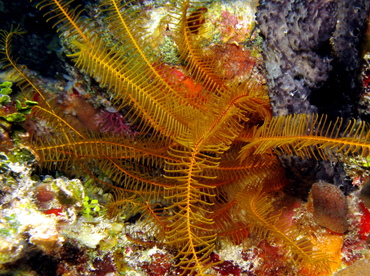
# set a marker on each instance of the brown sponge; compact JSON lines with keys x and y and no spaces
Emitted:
{"x":330,"y":207}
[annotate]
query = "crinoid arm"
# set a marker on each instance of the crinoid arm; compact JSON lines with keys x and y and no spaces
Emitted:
{"x":310,"y":136}
{"x":268,"y":224}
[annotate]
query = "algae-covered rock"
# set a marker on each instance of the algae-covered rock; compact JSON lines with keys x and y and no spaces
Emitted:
{"x":361,"y":267}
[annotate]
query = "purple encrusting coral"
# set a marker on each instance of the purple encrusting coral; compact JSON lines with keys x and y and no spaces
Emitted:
{"x":312,"y":54}
{"x":311,"y":50}
{"x":113,"y":123}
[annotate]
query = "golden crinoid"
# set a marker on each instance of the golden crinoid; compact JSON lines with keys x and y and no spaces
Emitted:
{"x":199,"y":168}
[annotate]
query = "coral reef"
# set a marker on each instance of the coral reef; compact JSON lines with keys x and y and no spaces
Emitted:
{"x":153,"y":198}
{"x":47,"y":221}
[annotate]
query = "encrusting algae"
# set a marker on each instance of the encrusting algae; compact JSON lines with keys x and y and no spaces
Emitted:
{"x":158,"y":154}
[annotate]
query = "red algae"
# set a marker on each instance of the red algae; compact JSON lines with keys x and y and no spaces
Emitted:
{"x":273,"y":261}
{"x":229,"y":21}
{"x":113,"y":123}
{"x":365,"y":222}
{"x":226,"y":267}
{"x":160,"y":264}
{"x":55,"y":211}
{"x":236,"y":60}
{"x":104,"y":266}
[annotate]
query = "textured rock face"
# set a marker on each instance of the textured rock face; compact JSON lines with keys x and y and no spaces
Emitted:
{"x":361,"y":267}
{"x":330,"y":207}
{"x":296,"y":41}
{"x":312,"y":54}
